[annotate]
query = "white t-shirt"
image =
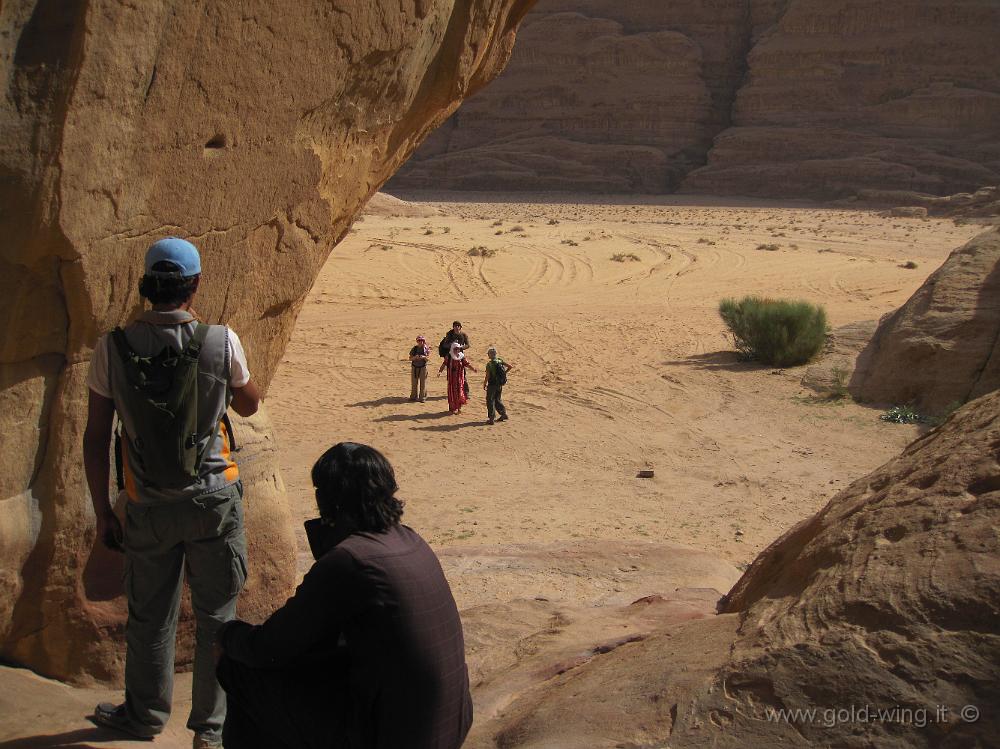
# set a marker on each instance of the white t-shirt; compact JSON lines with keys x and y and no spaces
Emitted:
{"x":97,"y":378}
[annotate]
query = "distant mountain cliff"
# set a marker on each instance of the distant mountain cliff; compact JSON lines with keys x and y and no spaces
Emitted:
{"x":781,"y":98}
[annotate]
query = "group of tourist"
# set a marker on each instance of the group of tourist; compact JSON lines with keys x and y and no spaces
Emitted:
{"x":455,"y":362}
{"x":368,"y":652}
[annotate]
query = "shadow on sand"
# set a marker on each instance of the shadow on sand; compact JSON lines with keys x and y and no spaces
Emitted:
{"x":413,"y":417}
{"x":79,"y":738}
{"x":451,"y":427}
{"x":729,"y":361}
{"x":392,"y":400}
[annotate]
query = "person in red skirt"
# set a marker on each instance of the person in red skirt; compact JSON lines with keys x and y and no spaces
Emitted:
{"x":456,"y":363}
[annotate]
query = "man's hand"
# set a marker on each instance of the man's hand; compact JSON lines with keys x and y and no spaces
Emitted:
{"x":109,"y":530}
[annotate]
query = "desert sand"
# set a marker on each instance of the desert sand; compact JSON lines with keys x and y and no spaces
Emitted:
{"x":620,"y":366}
{"x":542,"y":525}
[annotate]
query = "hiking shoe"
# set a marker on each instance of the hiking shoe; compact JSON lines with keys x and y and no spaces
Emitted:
{"x":489,"y":421}
{"x":503,"y":418}
{"x":207,"y":741}
{"x":116,"y":718}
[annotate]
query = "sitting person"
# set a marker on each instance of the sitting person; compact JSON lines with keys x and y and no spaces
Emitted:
{"x":369,"y":651}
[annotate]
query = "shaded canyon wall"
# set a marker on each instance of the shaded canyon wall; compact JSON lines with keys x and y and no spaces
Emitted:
{"x":777,"y":98}
{"x":255,"y":132}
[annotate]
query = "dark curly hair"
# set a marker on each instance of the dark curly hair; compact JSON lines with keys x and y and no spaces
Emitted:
{"x":357,"y":481}
{"x":168,"y":289}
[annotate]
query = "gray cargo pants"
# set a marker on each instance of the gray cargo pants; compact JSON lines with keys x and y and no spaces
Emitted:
{"x":493,"y":403}
{"x":204,"y":536}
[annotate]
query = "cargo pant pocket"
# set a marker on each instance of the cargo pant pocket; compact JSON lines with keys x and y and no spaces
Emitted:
{"x":238,"y":568}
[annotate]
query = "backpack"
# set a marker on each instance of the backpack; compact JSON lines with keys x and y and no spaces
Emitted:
{"x":499,"y":373}
{"x":162,"y":401}
{"x":444,"y":348}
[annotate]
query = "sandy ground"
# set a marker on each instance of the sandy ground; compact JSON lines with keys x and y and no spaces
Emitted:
{"x":619,"y":366}
{"x":543,"y":528}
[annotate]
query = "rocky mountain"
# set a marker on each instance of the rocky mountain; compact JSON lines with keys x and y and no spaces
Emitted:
{"x":779,"y":98}
{"x":256,"y":132}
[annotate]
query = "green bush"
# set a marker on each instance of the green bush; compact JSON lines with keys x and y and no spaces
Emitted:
{"x":775,"y":331}
{"x":903,"y":415}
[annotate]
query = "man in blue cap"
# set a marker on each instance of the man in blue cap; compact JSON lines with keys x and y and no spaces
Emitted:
{"x":170,"y":379}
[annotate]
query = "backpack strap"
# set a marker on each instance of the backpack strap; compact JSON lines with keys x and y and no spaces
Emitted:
{"x":122,"y":345}
{"x":233,"y":448}
{"x":193,"y":348}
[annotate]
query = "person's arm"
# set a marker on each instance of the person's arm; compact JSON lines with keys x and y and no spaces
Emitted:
{"x":443,"y":365}
{"x":246,"y":394}
{"x":329,"y":595}
{"x":246,"y":399}
{"x":97,"y":466}
{"x":469,"y":366}
{"x":508,"y":366}
{"x":486,"y":378}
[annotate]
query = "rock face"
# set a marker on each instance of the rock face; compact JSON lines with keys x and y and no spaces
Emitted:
{"x":887,"y":599}
{"x":256,"y":132}
{"x":600,"y":96}
{"x":778,"y":98}
{"x":983,"y":203}
{"x":941,"y":348}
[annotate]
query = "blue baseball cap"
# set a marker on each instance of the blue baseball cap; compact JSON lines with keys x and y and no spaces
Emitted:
{"x":174,"y":250}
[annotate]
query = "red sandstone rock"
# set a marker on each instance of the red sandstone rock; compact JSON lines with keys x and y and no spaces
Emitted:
{"x":941,"y":348}
{"x":887,"y":599}
{"x":258,"y":130}
{"x":777,"y":98}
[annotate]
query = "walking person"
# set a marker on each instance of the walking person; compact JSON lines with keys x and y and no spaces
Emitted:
{"x":170,"y":379}
{"x":456,"y":363}
{"x":418,"y":370}
{"x":369,"y":652}
{"x":496,"y":377}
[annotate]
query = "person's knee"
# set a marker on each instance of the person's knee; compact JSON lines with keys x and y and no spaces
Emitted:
{"x":230,"y":674}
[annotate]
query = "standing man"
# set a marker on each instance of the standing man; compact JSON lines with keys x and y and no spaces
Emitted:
{"x":496,"y":378}
{"x":418,"y":369}
{"x":170,"y":379}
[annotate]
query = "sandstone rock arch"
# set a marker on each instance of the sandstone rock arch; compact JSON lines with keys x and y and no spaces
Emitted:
{"x":256,"y":129}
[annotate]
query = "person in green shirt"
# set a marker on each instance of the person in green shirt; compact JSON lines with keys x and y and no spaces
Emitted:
{"x":496,"y":378}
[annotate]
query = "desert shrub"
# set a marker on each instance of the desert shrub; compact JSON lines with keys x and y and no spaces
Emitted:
{"x":621,"y":257}
{"x":903,"y":415}
{"x":481,"y":251}
{"x":553,"y":221}
{"x":838,"y":385}
{"x":909,"y":265}
{"x":769,"y":247}
{"x":775,"y":331}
